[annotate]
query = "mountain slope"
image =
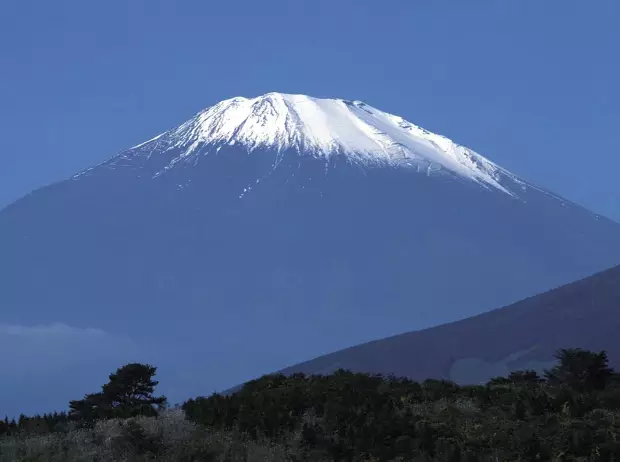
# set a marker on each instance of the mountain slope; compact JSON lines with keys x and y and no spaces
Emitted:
{"x":525,"y":335}
{"x":270,"y":230}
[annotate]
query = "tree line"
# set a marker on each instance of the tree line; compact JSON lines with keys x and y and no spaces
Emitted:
{"x":571,"y":412}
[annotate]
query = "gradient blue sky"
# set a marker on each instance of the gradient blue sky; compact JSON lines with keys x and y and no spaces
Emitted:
{"x":530,"y":84}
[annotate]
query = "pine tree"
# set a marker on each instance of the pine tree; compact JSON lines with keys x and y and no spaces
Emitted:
{"x":128,"y":393}
{"x":580,"y":369}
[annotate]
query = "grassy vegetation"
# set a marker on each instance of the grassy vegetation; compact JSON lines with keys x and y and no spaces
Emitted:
{"x":570,"y":414}
{"x":168,"y":437}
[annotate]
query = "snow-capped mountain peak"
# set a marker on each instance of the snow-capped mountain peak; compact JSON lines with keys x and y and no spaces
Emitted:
{"x":322,"y":223}
{"x":324,"y":128}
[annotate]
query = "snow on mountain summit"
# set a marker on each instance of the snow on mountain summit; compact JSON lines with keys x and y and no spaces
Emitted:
{"x":324,"y":128}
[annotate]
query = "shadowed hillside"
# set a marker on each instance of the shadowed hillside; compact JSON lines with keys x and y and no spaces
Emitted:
{"x":524,"y":335}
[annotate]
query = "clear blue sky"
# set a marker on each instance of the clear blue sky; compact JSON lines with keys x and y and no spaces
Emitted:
{"x":530,"y":84}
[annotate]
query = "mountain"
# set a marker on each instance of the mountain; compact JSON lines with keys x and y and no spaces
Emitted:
{"x":524,"y":335}
{"x":265,"y":231}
